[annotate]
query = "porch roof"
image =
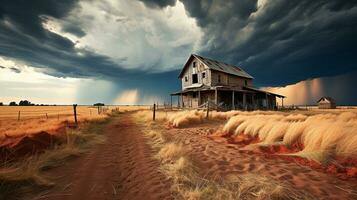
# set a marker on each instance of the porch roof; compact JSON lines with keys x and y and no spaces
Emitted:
{"x":208,"y":88}
{"x":262,"y":91}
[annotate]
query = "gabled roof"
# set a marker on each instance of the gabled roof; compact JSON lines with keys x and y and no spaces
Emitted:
{"x":329,"y":99}
{"x":218,"y":66}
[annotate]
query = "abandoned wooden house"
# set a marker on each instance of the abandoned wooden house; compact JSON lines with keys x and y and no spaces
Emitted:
{"x":326,"y":103}
{"x":224,"y":86}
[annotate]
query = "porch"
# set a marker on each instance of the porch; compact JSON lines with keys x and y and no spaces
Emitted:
{"x":227,"y":98}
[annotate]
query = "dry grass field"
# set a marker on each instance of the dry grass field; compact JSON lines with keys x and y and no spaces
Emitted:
{"x":34,"y":119}
{"x":257,"y":155}
{"x":323,"y":136}
{"x":320,"y":133}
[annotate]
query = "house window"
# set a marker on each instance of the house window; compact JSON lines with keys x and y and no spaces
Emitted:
{"x":186,"y":78}
{"x":203,"y":74}
{"x":194,"y":65}
{"x":194,"y":95}
{"x":219,"y":78}
{"x":245,"y":82}
{"x":194,"y":78}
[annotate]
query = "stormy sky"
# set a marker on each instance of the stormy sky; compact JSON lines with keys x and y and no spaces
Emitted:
{"x":121,"y":51}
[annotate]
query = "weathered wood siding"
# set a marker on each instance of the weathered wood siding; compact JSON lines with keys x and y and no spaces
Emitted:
{"x":190,"y":101}
{"x":199,"y":70}
{"x":220,"y":78}
{"x":324,"y":105}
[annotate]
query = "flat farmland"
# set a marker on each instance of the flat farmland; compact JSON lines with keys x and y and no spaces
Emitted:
{"x":25,"y":120}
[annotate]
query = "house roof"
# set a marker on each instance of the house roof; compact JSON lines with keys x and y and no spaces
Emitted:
{"x":329,"y":99}
{"x":218,"y":66}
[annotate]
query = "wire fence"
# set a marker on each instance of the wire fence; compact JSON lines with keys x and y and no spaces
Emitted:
{"x":60,"y":112}
{"x":22,"y":112}
{"x":20,"y":120}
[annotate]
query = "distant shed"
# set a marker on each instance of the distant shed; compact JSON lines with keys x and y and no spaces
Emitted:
{"x":326,"y":103}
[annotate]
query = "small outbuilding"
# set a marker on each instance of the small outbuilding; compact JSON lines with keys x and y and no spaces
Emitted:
{"x":326,"y":103}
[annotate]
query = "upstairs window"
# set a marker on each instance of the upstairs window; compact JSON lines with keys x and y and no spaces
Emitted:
{"x":245,"y":82}
{"x":219,"y":78}
{"x":194,"y":64}
{"x":194,"y":78}
{"x":203,"y":74}
{"x":186,"y":79}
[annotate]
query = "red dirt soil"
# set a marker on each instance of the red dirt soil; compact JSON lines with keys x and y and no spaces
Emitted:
{"x":122,"y":168}
{"x":14,"y":148}
{"x":343,"y":168}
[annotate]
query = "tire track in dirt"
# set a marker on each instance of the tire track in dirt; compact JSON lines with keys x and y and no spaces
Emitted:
{"x":122,"y":168}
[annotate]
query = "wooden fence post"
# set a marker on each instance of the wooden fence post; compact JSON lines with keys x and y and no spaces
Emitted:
{"x":207,"y":110}
{"x":57,"y":116}
{"x":46,"y":116}
{"x":75,"y":113}
{"x":153,"y":115}
{"x":98,"y":110}
{"x":18,"y":116}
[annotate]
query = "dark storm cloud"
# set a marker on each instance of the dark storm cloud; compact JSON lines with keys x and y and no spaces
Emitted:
{"x":23,"y":38}
{"x":74,"y":29}
{"x":14,"y":69}
{"x":2,"y":67}
{"x":158,"y":3}
{"x":282,"y":42}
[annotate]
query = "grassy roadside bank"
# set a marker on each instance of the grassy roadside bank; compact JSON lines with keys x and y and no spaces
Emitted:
{"x":26,"y":175}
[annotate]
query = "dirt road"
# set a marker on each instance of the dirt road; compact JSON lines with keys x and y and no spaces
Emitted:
{"x":122,"y":168}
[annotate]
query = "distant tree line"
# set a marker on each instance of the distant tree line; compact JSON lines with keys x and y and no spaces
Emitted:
{"x":21,"y":103}
{"x":24,"y":103}
{"x":28,"y":103}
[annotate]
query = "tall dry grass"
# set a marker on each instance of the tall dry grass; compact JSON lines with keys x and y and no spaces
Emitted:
{"x":184,"y":118}
{"x":324,"y":134}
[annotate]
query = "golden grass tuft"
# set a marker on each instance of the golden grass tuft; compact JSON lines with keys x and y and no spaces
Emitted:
{"x":170,"y":152}
{"x":184,"y":118}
